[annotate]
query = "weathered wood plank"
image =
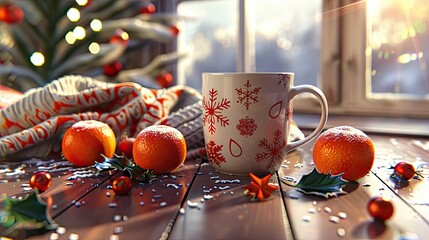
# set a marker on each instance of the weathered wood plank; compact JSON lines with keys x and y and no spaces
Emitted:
{"x":59,"y":196}
{"x":393,"y":150}
{"x":311,"y":214}
{"x":229,"y":214}
{"x":144,"y":213}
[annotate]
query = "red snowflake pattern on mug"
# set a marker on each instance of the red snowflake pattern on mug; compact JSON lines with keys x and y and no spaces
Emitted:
{"x":214,"y":153}
{"x":247,"y":95}
{"x":283,"y":78}
{"x":213,"y":111}
{"x":273,"y":152}
{"x":246,"y":126}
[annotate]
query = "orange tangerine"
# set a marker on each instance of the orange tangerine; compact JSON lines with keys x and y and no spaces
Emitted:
{"x":159,"y":148}
{"x":85,"y":141}
{"x":346,"y":150}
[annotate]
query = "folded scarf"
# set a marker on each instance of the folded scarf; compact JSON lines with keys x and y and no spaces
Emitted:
{"x":34,"y":125}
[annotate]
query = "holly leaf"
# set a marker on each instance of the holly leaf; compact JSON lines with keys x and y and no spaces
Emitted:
{"x":27,"y":213}
{"x":123,"y":163}
{"x":320,"y":184}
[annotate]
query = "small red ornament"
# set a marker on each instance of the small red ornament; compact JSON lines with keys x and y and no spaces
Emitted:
{"x":122,"y":185}
{"x":148,"y":9}
{"x":380,"y":208}
{"x":41,"y":180}
{"x":404,"y":171}
{"x":260,"y":187}
{"x":120,"y":36}
{"x":174,"y":30}
{"x":11,"y":13}
{"x":112,"y":69}
{"x":125,"y":146}
{"x":165,"y":79}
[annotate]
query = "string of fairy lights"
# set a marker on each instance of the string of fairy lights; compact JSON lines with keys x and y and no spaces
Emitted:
{"x":78,"y":33}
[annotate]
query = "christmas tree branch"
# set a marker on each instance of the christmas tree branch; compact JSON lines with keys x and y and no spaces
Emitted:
{"x":24,"y":74}
{"x":40,"y":6}
{"x":73,"y":49}
{"x":151,"y":69}
{"x":108,"y":53}
{"x":17,"y":59}
{"x":97,"y":6}
{"x":35,"y":31}
{"x":139,"y":29}
{"x":22,"y":45}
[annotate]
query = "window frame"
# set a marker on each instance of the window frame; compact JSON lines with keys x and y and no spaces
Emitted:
{"x":345,"y":63}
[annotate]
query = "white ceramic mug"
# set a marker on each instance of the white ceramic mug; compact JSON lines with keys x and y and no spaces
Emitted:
{"x":247,"y":117}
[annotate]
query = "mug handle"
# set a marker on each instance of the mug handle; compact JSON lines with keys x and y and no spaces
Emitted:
{"x":294,"y":91}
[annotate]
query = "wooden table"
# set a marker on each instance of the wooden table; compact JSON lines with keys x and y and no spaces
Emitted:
{"x":196,"y":202}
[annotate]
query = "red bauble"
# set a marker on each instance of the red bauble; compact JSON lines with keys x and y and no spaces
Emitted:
{"x":11,"y":13}
{"x":148,"y":9}
{"x":404,"y":170}
{"x":125,"y":146}
{"x":122,"y":185}
{"x":41,"y":180}
{"x":380,"y":208}
{"x":174,"y":30}
{"x":119,"y":37}
{"x":112,"y":69}
{"x":165,"y":79}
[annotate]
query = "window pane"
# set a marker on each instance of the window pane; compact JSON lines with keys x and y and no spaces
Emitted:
{"x":399,"y":37}
{"x":288,"y":38}
{"x":209,"y":39}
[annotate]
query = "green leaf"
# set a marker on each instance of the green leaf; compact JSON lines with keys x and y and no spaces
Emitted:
{"x":28,"y":213}
{"x":122,"y":163}
{"x":320,"y":184}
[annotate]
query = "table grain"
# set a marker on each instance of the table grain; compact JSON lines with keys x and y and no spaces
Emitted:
{"x":197,"y":202}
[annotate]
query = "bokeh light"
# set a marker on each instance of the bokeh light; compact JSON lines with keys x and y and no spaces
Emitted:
{"x":73,"y":14}
{"x":70,"y":38}
{"x":79,"y":32}
{"x":82,"y":2}
{"x":37,"y":59}
{"x":96,"y":25}
{"x":94,"y":48}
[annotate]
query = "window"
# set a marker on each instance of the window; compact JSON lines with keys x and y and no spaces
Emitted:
{"x":399,"y":49}
{"x":368,"y":57}
{"x":282,"y":36}
{"x":208,"y":39}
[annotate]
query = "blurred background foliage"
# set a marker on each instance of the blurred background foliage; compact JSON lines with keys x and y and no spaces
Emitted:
{"x":110,"y":40}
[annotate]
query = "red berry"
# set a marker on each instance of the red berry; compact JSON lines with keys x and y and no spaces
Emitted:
{"x":165,"y":79}
{"x":148,"y":9}
{"x":11,"y":13}
{"x":404,"y":170}
{"x":112,"y":69}
{"x":174,"y":30}
{"x":41,"y":180}
{"x":125,"y":146}
{"x":380,"y":208}
{"x":122,"y":185}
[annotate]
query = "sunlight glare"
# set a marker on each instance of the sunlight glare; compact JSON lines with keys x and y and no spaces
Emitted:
{"x":404,"y":58}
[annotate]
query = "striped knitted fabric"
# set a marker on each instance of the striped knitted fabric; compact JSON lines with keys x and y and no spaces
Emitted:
{"x":34,"y":125}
